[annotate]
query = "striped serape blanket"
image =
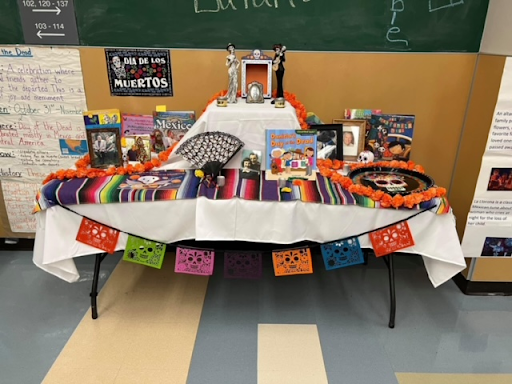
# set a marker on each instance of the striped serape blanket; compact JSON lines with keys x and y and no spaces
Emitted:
{"x":176,"y":185}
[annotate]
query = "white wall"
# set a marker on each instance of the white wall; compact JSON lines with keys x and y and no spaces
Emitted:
{"x":497,"y":38}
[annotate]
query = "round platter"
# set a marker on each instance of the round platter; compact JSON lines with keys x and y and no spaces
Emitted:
{"x":393,"y":181}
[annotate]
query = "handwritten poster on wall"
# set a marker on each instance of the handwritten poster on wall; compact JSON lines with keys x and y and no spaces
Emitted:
{"x":19,"y":201}
{"x":488,"y":230}
{"x":139,"y":72}
{"x":41,"y":103}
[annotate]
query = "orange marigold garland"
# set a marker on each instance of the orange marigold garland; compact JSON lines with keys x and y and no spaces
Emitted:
{"x":328,"y":168}
{"x":83,"y":170}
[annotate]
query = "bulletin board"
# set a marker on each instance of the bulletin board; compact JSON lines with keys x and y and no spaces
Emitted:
{"x":433,"y":87}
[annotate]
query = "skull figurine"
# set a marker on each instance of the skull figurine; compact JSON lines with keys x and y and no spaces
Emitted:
{"x":257,"y":54}
{"x":366,"y":157}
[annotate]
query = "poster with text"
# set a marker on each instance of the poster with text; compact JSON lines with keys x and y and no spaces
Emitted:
{"x":488,"y":231}
{"x":41,"y":125}
{"x":139,"y":72}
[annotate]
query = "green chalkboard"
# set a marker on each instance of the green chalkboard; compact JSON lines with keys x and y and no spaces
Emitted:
{"x":10,"y":23}
{"x":304,"y":25}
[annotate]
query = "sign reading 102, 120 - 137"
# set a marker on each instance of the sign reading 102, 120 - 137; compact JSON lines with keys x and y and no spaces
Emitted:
{"x":48,"y":22}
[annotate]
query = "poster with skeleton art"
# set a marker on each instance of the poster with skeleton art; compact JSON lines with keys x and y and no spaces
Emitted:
{"x":139,"y":72}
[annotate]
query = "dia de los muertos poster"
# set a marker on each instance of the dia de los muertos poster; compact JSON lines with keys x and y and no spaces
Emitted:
{"x":139,"y":72}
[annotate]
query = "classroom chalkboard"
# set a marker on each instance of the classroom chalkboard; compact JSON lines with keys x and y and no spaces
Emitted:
{"x":301,"y":25}
{"x":10,"y":24}
{"x":311,"y":25}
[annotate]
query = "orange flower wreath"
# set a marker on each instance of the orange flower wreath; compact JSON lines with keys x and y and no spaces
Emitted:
{"x":83,"y":170}
{"x":329,"y":168}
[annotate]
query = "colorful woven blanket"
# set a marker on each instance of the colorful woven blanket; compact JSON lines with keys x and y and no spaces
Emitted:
{"x":175,"y":185}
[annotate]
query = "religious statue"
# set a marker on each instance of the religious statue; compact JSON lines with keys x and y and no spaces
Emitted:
{"x":232,"y":63}
{"x":278,"y":67}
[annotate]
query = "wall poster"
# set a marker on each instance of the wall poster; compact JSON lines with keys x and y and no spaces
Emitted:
{"x":139,"y":72}
{"x":488,"y":231}
{"x":41,"y":126}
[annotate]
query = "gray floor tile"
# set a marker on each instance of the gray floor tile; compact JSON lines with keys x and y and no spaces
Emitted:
{"x":38,"y":314}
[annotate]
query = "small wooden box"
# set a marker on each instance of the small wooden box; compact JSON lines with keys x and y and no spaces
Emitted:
{"x":257,"y":67}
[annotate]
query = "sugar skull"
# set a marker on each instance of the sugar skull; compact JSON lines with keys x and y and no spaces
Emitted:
{"x":391,"y":183}
{"x":144,"y":252}
{"x":244,"y":265}
{"x":194,"y":261}
{"x":293,"y":261}
{"x":366,"y":157}
{"x":342,"y":254}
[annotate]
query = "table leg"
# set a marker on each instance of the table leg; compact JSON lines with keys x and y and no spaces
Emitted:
{"x":94,"y":288}
{"x":392,"y":297}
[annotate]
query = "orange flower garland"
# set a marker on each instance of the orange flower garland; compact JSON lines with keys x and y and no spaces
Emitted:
{"x":83,"y":170}
{"x":329,"y":168}
{"x":302,"y":115}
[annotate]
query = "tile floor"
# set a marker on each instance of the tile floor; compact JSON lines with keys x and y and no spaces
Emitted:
{"x":155,"y":326}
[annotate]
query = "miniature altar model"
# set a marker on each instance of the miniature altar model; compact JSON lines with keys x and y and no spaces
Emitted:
{"x":257,"y":67}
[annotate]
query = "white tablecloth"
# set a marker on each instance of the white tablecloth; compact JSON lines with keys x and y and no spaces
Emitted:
{"x":236,"y":219}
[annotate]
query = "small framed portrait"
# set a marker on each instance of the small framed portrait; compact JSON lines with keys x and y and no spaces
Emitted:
{"x":328,"y":141}
{"x":352,"y":137}
{"x":104,"y":147}
{"x":255,"y":93}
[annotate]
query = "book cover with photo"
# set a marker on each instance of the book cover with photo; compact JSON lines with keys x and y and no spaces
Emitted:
{"x":250,"y":165}
{"x":390,"y":136}
{"x":106,"y":118}
{"x":291,"y":154}
{"x":173,"y":125}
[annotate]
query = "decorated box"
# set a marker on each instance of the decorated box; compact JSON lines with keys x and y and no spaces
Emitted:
{"x":257,"y":67}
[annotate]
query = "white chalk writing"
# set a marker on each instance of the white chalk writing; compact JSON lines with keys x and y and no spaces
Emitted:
{"x":214,"y":6}
{"x":394,"y":33}
{"x":436,"y":5}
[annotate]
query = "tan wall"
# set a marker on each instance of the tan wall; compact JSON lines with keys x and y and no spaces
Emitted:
{"x":434,"y":87}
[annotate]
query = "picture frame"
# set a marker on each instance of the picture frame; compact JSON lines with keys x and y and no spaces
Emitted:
{"x":352,"y":137}
{"x":255,"y":93}
{"x":104,"y":147}
{"x":328,"y":139}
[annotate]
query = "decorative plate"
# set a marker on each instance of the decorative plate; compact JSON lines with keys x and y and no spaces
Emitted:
{"x":392,"y":181}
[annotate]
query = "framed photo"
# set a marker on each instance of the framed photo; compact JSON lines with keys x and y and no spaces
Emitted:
{"x":104,"y":147}
{"x":352,"y":137}
{"x":255,"y":93}
{"x":328,"y":141}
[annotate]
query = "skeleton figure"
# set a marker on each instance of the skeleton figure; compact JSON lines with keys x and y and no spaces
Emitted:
{"x":232,"y":63}
{"x":257,"y":54}
{"x":118,"y":68}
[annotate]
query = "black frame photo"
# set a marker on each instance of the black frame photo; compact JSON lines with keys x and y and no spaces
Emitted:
{"x":106,"y":152}
{"x":329,"y":135}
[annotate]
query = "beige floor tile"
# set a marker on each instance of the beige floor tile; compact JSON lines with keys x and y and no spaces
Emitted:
{"x":437,"y":378}
{"x":148,"y":320}
{"x":290,"y":353}
{"x":161,"y":346}
{"x":69,"y":375}
{"x":130,"y":376}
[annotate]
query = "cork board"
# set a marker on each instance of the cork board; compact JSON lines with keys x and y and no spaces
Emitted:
{"x":434,"y":87}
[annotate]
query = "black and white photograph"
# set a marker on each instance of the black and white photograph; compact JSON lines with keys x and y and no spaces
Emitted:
{"x":104,"y":147}
{"x":250,"y":167}
{"x":328,"y":141}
